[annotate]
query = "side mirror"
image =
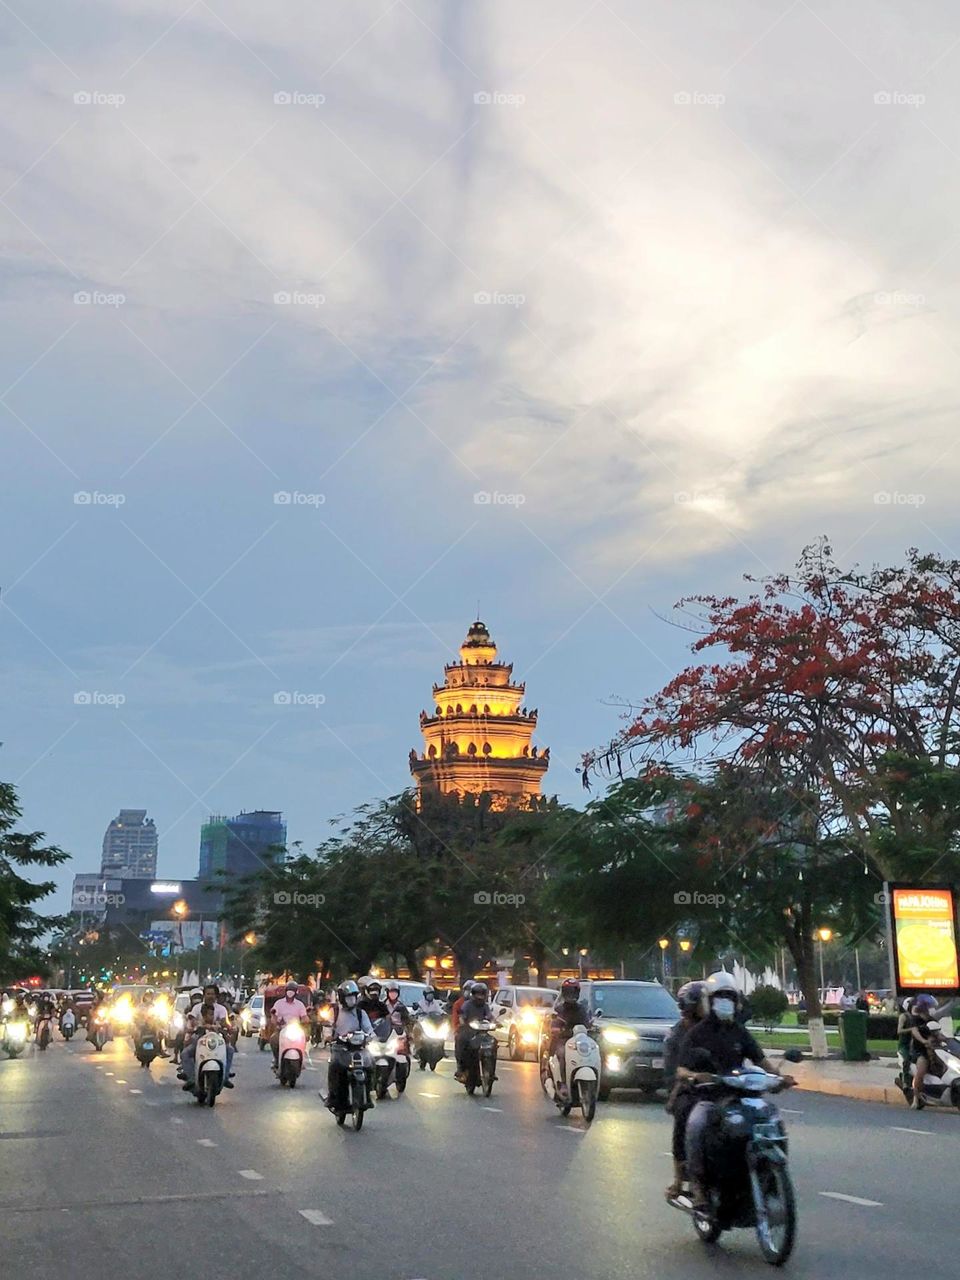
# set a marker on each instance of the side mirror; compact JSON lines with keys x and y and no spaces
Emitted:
{"x":415,"y":1006}
{"x":793,"y":1055}
{"x":598,"y":1013}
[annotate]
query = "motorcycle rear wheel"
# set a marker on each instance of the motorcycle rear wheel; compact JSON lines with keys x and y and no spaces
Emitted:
{"x":777,"y":1238}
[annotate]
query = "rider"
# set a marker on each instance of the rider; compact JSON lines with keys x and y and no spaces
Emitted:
{"x":457,"y":1005}
{"x":922,"y":1011}
{"x":65,"y":1008}
{"x":188,"y":1057}
{"x":371,"y":1002}
{"x":476,"y":1008}
{"x":395,"y":1004}
{"x":430,"y":1006}
{"x":729,"y":1044}
{"x":290,"y":1009}
{"x":568,"y":1012}
{"x":904,"y":1039}
{"x":347,"y":1017}
{"x":682,"y":1097}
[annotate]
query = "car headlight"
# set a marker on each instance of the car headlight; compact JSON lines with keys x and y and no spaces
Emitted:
{"x":529,"y":1018}
{"x":616,"y":1035}
{"x":245,"y":1017}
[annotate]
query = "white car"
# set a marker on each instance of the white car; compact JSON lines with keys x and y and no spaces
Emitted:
{"x":519,"y":1012}
{"x":252,"y":1016}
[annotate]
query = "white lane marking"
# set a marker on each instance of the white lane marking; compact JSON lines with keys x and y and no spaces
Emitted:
{"x":429,"y":1095}
{"x":109,"y":1073}
{"x":136,"y":1091}
{"x":206,"y":1142}
{"x":578,"y":1132}
{"x":837,"y":1195}
{"x":789,"y":1111}
{"x":497,"y":1109}
{"x":119,"y":1082}
{"x":316,"y":1218}
{"x":251,"y":1174}
{"x":897,"y":1128}
{"x":177,"y":1120}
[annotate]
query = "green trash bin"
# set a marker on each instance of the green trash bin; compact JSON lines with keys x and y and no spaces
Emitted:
{"x":853,"y":1035}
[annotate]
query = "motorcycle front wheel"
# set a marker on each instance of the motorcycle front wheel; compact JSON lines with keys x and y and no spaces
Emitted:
{"x":356,"y":1097}
{"x":210,"y":1091}
{"x":776,"y":1235}
{"x":489,"y":1075}
{"x":588,"y":1099}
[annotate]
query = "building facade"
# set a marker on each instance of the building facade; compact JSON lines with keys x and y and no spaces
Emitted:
{"x":478,"y":737}
{"x":243,"y":845}
{"x":130,"y":847}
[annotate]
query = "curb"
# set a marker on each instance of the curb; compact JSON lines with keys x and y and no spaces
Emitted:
{"x":862,"y":1092}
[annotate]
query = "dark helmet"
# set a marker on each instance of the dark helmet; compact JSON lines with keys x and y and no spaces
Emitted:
{"x":690,"y":997}
{"x":570,"y":991}
{"x":922,"y":1003}
{"x":292,"y":986}
{"x":479,"y":992}
{"x":429,"y":993}
{"x":348,"y":993}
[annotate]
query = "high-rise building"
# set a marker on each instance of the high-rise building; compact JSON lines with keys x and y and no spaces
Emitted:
{"x":243,"y":845}
{"x":478,"y":738}
{"x":130,"y":847}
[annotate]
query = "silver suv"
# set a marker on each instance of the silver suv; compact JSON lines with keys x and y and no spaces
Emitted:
{"x":519,"y":1012}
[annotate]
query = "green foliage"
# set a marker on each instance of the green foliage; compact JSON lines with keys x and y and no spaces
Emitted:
{"x":21,"y":926}
{"x":768,"y":1005}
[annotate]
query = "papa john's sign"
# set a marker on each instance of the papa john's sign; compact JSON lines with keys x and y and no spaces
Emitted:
{"x":922,"y":928}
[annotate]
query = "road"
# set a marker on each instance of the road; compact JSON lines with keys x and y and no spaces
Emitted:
{"x":107,"y":1169}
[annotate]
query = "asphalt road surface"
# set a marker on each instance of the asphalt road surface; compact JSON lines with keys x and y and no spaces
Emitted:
{"x":110,"y":1170}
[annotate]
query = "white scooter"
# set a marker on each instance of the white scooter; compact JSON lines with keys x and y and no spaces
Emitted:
{"x":211,"y":1065}
{"x":291,"y":1053}
{"x":582,"y":1060}
{"x":68,"y":1025}
{"x":942,"y":1089}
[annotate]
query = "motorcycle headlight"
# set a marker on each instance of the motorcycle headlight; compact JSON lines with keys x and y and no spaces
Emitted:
{"x":434,"y":1032}
{"x":17,"y":1030}
{"x":178,"y":1022}
{"x":529,"y":1018}
{"x":584,"y":1044}
{"x":616,"y":1035}
{"x":245,"y":1017}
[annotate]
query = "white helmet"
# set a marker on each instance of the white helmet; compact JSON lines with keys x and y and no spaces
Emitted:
{"x":721,"y":983}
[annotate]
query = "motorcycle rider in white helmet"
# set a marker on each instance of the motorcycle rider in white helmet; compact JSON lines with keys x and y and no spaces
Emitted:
{"x":724,"y":1043}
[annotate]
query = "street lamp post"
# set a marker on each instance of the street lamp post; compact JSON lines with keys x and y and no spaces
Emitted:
{"x":824,"y":934}
{"x":663,"y":944}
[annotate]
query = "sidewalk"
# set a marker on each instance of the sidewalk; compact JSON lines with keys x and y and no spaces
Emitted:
{"x":871,"y":1081}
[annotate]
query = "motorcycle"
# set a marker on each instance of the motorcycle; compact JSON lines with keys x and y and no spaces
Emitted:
{"x":480,"y":1057}
{"x":941,"y":1085}
{"x":101,"y":1030}
{"x":211,"y":1067}
{"x":391,"y":1055}
{"x":146,"y":1045}
{"x":68,"y":1025}
{"x":582,"y":1063}
{"x":291,"y":1053}
{"x":354,"y":1045}
{"x":747,"y":1181}
{"x":44,"y":1034}
{"x":15,"y":1034}
{"x":432,"y":1032}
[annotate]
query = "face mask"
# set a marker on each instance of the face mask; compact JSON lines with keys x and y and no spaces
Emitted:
{"x":350,"y":1001}
{"x":724,"y":1009}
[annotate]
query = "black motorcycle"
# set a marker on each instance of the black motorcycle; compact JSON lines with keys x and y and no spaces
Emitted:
{"x":430,"y":1034}
{"x":357,"y":1062}
{"x":747,"y":1180}
{"x":146,"y":1045}
{"x":480,"y":1059}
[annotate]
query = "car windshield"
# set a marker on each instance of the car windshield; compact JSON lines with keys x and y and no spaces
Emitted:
{"x":618,"y":1001}
{"x":542,"y":999}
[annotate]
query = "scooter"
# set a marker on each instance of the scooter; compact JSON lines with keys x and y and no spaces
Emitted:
{"x":391,"y":1055}
{"x":101,"y":1031}
{"x":432,"y":1032}
{"x":941,"y":1085}
{"x":43,"y":1033}
{"x":15,"y":1035}
{"x":68,"y":1025}
{"x":291,"y":1053}
{"x":582,"y":1062}
{"x":211,"y":1067}
{"x":480,"y":1057}
{"x":747,"y":1181}
{"x":146,"y":1046}
{"x":358,"y":1064}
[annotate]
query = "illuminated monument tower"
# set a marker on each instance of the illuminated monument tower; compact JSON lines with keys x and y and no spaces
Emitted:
{"x":478,"y":737}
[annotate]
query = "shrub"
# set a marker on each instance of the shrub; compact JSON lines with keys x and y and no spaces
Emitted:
{"x":768,"y":1005}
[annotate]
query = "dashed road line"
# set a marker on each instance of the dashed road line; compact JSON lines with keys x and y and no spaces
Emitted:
{"x":251,"y":1175}
{"x":316,"y":1218}
{"x":136,"y":1091}
{"x":867,"y":1204}
{"x":497,"y":1109}
{"x":429,"y":1095}
{"x":898,"y":1128}
{"x":206,"y":1142}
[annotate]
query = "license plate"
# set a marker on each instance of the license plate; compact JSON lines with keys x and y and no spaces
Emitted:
{"x":657,"y":1062}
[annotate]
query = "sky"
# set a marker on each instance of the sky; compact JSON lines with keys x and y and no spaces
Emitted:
{"x":325,"y":325}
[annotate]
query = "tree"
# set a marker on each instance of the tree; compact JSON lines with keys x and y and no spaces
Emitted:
{"x":769,"y":1004}
{"x":21,"y":926}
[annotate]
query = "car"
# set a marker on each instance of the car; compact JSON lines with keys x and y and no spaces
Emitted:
{"x":252,"y":1016}
{"x":634,"y":1019}
{"x":520,"y":1012}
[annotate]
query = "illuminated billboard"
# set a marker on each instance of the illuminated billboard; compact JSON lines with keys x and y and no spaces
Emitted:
{"x":923,"y":931}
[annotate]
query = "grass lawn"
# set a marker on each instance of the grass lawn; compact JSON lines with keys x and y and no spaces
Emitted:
{"x":800,"y":1039}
